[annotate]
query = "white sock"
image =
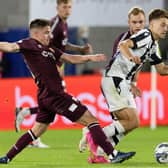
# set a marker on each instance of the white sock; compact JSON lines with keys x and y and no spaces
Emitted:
{"x":114,"y":154}
{"x":113,"y":129}
{"x":114,"y":132}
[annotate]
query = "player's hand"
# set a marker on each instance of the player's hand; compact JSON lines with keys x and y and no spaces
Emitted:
{"x":87,"y":49}
{"x":98,"y":58}
{"x":135,"y":91}
{"x":135,"y":59}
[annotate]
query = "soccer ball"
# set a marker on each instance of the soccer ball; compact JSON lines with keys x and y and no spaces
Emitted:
{"x":161,"y":152}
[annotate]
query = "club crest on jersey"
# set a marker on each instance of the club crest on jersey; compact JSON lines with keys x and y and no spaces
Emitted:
{"x":48,"y":54}
{"x":65,"y":33}
{"x":64,"y":42}
{"x":39,"y":46}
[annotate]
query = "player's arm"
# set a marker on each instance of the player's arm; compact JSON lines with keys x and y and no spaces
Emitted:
{"x":9,"y":47}
{"x":77,"y":59}
{"x":85,"y":49}
{"x":124,"y":47}
{"x":162,"y":68}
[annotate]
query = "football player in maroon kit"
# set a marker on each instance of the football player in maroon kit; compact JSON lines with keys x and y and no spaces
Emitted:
{"x":41,"y":58}
{"x":59,"y":30}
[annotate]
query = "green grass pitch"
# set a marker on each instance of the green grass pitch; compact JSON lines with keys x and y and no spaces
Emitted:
{"x":63,"y":151}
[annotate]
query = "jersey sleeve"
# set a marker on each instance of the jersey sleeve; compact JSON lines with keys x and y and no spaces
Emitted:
{"x":25,"y":45}
{"x":141,"y":38}
{"x":155,"y":59}
{"x":58,"y":53}
{"x":155,"y":56}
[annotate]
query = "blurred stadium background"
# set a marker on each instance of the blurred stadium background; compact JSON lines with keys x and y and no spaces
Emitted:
{"x":95,"y":21}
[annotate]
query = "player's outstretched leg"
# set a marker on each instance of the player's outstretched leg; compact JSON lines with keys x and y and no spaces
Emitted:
{"x":21,"y":113}
{"x":118,"y":157}
{"x":21,"y":143}
{"x":109,"y":131}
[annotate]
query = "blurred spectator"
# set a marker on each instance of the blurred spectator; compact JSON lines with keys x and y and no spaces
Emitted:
{"x":83,"y":36}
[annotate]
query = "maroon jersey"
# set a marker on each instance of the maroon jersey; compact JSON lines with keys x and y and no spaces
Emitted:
{"x":41,"y":61}
{"x":52,"y":99}
{"x":59,"y":30}
{"x":121,"y":37}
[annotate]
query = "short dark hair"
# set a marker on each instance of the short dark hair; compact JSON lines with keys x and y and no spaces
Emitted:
{"x":63,"y":1}
{"x":39,"y":23}
{"x":135,"y":11}
{"x":157,"y":14}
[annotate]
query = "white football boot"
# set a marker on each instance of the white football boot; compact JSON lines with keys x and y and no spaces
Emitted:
{"x":38,"y":144}
{"x":83,"y":141}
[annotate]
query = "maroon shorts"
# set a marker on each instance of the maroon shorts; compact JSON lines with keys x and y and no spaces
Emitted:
{"x":63,"y":104}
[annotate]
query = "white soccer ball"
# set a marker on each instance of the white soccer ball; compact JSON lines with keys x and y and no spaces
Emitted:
{"x":161,"y":152}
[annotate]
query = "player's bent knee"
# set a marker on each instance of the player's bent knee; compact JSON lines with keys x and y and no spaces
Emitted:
{"x":133,"y":119}
{"x":135,"y":124}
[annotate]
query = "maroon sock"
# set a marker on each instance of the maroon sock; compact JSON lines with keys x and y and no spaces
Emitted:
{"x":100,"y":138}
{"x":34,"y":110}
{"x":22,"y":142}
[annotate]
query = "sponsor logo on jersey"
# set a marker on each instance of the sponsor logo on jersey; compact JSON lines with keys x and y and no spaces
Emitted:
{"x":48,"y":54}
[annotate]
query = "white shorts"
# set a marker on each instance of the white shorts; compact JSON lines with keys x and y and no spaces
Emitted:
{"x":117,"y":93}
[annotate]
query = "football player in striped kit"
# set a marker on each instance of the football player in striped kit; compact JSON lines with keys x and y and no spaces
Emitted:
{"x":129,"y":56}
{"x":136,"y":22}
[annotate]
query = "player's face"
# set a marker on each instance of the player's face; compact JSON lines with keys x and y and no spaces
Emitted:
{"x":136,"y":22}
{"x":64,"y":10}
{"x":159,"y":28}
{"x":44,"y":35}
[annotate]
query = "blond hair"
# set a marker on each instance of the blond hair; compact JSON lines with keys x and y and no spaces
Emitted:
{"x":135,"y":11}
{"x":62,"y":1}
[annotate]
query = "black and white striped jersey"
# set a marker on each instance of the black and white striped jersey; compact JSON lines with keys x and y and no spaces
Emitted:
{"x":145,"y":47}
